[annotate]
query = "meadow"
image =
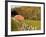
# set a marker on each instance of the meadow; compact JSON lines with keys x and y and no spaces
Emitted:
{"x":34,"y":24}
{"x":29,"y":18}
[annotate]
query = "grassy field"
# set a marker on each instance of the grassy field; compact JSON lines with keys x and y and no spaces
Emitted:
{"x":34,"y":24}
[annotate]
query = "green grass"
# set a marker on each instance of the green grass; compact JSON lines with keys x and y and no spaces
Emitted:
{"x":36,"y":24}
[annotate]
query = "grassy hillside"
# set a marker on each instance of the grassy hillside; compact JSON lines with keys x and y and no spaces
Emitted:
{"x":32,"y":18}
{"x":35,"y":25}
